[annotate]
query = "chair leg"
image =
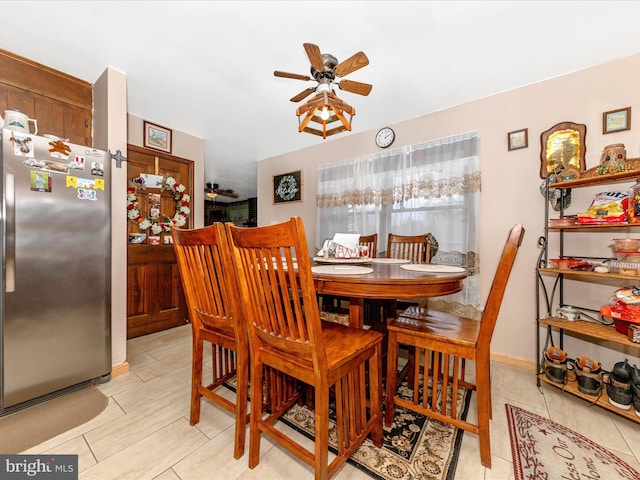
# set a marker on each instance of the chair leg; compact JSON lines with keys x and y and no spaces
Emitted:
{"x":392,"y":372}
{"x":242,"y":377}
{"x":321,"y":457}
{"x":196,"y":380}
{"x":375,"y":380}
{"x":483,"y":394}
{"x":256,"y":414}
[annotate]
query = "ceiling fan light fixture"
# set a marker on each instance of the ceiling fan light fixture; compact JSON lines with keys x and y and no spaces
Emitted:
{"x":330,"y":113}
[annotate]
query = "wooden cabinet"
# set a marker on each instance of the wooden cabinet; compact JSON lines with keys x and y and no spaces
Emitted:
{"x":556,"y":278}
{"x":61,"y":104}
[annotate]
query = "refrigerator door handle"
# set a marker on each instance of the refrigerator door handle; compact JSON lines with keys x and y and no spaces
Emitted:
{"x":10,"y":233}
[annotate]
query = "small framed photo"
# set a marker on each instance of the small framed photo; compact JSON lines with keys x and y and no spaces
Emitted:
{"x":616,"y":120}
{"x":157,"y":137}
{"x":518,"y":139}
{"x":287,"y":187}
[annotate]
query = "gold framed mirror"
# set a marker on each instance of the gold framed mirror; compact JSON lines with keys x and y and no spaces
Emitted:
{"x":563,"y":149}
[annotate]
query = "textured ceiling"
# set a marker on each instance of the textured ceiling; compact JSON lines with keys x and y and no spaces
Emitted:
{"x":206,"y":68}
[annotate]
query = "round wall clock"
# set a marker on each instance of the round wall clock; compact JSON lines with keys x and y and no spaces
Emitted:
{"x":385,"y":137}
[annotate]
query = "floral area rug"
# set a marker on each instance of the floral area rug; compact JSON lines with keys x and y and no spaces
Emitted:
{"x":414,"y":447}
{"x":543,"y":449}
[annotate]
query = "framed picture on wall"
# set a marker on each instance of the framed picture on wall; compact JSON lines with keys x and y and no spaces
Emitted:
{"x":518,"y":139}
{"x":157,"y":137}
{"x":287,"y":187}
{"x":616,"y":120}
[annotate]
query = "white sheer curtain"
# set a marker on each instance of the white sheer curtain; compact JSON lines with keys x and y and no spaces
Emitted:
{"x":432,"y":187}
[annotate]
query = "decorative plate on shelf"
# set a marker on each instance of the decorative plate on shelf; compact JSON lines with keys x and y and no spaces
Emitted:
{"x":431,"y":268}
{"x":342,"y":261}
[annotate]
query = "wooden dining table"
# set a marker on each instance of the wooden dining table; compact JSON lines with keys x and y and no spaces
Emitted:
{"x":388,"y":281}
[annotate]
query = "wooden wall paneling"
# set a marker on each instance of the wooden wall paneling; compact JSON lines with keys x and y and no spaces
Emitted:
{"x":25,"y":74}
{"x":61,"y":104}
{"x":4,"y":98}
{"x":48,"y":113}
{"x":22,"y":100}
{"x":77,"y":124}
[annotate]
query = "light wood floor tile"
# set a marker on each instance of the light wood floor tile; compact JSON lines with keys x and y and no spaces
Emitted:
{"x":109,"y":439}
{"x":151,"y":456}
{"x":132,"y":398}
{"x":78,"y":446}
{"x":168,"y":475}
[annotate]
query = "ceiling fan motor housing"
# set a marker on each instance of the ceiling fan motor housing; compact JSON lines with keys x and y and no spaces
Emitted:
{"x":330,"y":63}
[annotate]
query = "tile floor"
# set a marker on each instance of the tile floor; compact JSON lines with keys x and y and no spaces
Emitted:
{"x":144,"y":432}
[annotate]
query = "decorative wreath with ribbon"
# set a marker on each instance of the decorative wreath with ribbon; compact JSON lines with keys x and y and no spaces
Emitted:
{"x":162,"y":223}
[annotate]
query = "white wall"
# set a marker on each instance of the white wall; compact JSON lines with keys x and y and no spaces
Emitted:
{"x":110,"y":133}
{"x":510,"y":180}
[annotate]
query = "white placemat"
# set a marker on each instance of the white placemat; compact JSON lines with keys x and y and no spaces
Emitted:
{"x":342,"y":261}
{"x":389,"y":260}
{"x":430,"y":268}
{"x":341,"y":269}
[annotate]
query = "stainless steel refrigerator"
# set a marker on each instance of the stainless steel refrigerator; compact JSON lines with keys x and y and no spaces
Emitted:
{"x":55,"y":316}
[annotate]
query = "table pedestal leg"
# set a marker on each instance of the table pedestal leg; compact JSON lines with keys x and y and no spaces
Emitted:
{"x":356,"y":312}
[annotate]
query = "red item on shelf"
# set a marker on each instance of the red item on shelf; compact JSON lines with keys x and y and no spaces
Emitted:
{"x":622,"y":315}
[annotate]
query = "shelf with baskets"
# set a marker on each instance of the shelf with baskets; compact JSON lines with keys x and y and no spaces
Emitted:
{"x":550,"y":286}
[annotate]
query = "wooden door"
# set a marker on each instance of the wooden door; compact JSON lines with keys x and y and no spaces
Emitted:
{"x":155,"y":300}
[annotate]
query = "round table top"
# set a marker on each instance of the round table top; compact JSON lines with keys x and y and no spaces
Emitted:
{"x":387,"y":280}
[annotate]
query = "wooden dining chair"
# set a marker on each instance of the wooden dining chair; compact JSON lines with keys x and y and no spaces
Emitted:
{"x":210,"y":287}
{"x":443,"y":342}
{"x":415,"y":248}
{"x":370,"y":241}
{"x":286,"y":334}
{"x":408,"y":247}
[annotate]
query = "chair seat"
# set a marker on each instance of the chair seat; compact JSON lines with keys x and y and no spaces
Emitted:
{"x":344,"y":343}
{"x":439,"y":326}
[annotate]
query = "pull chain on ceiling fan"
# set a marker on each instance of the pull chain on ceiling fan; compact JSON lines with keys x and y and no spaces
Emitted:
{"x":325,"y":108}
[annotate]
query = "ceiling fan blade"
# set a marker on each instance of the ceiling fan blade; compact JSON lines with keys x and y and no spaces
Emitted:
{"x":295,"y":76}
{"x":355,"y":87}
{"x":303,"y":94}
{"x":351,"y":64}
{"x":228,"y":193}
{"x":315,"y":57}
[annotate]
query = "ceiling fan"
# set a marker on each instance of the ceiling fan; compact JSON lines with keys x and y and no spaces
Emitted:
{"x":212,"y":191}
{"x":325,"y":109}
{"x":324,"y":70}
